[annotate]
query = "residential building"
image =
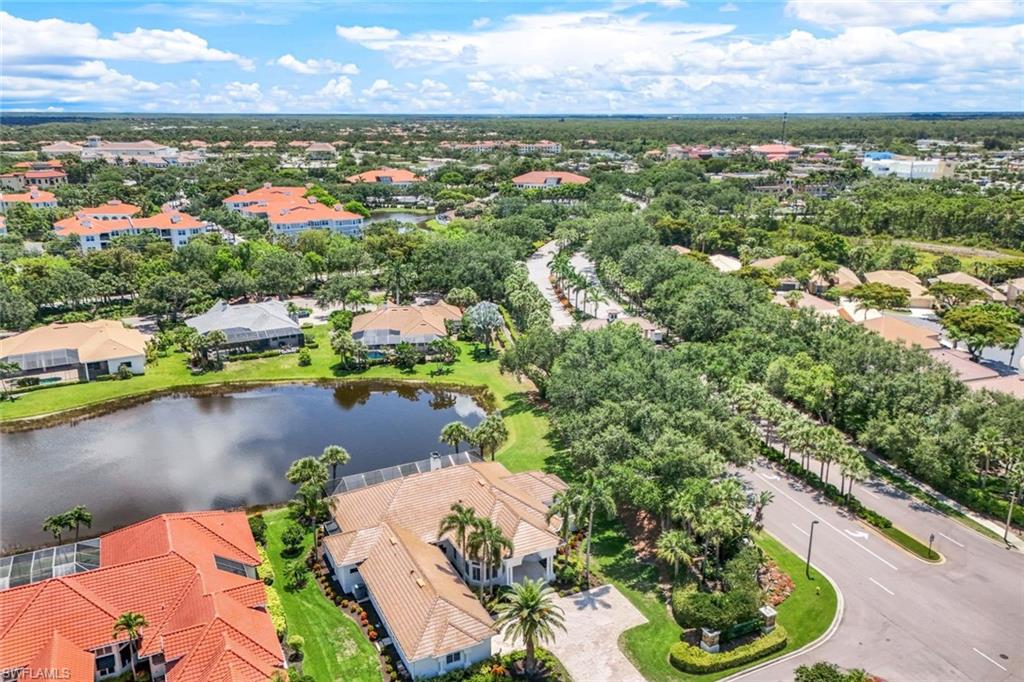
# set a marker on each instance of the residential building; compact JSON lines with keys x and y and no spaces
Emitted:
{"x":961,"y":364}
{"x":897,"y":331}
{"x":963,"y":278}
{"x":143,"y":152}
{"x":1015,"y":290}
{"x":548,"y":179}
{"x":34,"y":197}
{"x":61,"y":147}
{"x":908,"y":168}
{"x":290,"y":211}
{"x":321,"y":151}
{"x":260,"y":144}
{"x":96,"y":227}
{"x":808,"y":301}
{"x":385,"y":544}
{"x":396,"y":177}
{"x":1012,"y":385}
{"x":192,"y":576}
{"x":391,"y":325}
{"x":724,"y":263}
{"x":539,"y":147}
{"x":250,"y":326}
{"x":843,"y":279}
{"x":34,"y":174}
{"x":919,"y":297}
{"x":75,"y":351}
{"x":776,"y":152}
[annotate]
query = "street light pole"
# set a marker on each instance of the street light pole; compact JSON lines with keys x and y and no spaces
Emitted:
{"x":810,"y":542}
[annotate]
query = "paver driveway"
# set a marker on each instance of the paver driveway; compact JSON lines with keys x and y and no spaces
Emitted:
{"x":589,"y":648}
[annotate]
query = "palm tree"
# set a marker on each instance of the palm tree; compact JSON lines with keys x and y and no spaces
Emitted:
{"x":460,"y":521}
{"x":675,"y":547}
{"x":57,"y":524}
{"x":307,"y":469}
{"x":760,"y":502}
{"x":591,"y":496}
{"x":455,"y":433}
{"x":529,"y":612}
{"x":562,"y":506}
{"x":488,"y":544}
{"x":79,"y":515}
{"x":131,"y":624}
{"x":491,"y":433}
{"x":335,"y":455}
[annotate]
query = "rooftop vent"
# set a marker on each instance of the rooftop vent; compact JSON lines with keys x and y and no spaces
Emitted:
{"x":243,"y":191}
{"x":176,"y":218}
{"x":266,"y":185}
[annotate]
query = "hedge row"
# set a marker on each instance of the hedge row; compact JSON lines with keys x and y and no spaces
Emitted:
{"x":276,"y":610}
{"x":692,"y":659}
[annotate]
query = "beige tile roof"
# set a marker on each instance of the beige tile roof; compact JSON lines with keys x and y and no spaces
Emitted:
{"x":819,"y":305}
{"x":960,"y":364}
{"x":845,"y":278}
{"x":408,"y":320}
{"x":429,"y":610}
{"x":538,"y":484}
{"x":919,"y":297}
{"x":964,"y":278}
{"x":419,"y":502}
{"x":95,"y":341}
{"x":898,"y":331}
{"x":1010,"y":385}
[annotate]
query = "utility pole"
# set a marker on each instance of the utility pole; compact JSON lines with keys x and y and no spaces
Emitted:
{"x":810,"y":542}
{"x":785,"y":115}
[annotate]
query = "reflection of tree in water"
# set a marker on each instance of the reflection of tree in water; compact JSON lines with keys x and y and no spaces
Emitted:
{"x":442,"y":400}
{"x":408,"y":392}
{"x":351,"y":394}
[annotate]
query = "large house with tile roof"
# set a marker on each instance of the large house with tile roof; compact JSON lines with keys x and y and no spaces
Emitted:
{"x":34,"y":197}
{"x":290,"y":211}
{"x":548,"y":179}
{"x":396,"y":177}
{"x":94,"y":228}
{"x":391,"y":325}
{"x":193,"y":578}
{"x":384,"y":543}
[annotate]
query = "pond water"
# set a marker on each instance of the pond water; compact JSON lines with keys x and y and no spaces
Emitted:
{"x":215,"y":451}
{"x":400,"y":216}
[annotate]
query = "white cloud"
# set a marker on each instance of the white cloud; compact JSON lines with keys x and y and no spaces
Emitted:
{"x":336,"y":88}
{"x":310,"y":67}
{"x":361,"y":34}
{"x":27,"y":40}
{"x":379,"y":87}
{"x":91,"y":81}
{"x":481,"y":22}
{"x":728,"y":7}
{"x":890,"y":13}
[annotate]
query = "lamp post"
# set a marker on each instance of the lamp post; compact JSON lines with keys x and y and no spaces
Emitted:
{"x":931,"y":539}
{"x":810,"y":542}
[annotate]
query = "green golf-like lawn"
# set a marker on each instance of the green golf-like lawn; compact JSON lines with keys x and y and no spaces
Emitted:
{"x":528,"y":446}
{"x":335,"y":647}
{"x":806,"y":614}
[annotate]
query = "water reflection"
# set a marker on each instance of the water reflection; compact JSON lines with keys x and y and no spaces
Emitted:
{"x":211,"y":451}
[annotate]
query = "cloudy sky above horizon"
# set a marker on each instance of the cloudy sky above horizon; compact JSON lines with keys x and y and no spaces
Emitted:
{"x":431,"y":56}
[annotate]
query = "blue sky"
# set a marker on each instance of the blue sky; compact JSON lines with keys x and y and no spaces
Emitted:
{"x":620,"y":56}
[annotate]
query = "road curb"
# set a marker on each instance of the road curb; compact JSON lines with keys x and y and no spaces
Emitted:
{"x":810,"y":646}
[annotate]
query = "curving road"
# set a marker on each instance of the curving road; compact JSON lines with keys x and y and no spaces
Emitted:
{"x":537,"y":266}
{"x":904,"y":619}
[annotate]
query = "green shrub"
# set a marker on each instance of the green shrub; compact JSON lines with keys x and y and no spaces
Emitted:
{"x":276,"y":610}
{"x":292,"y":539}
{"x":295,"y":643}
{"x":714,"y":610}
{"x":124,"y":372}
{"x":341,"y":320}
{"x":692,"y":659}
{"x":266,"y":569}
{"x":258,"y":527}
{"x":304,"y":358}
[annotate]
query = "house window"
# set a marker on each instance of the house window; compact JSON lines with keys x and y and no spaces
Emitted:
{"x":475,"y":573}
{"x":105,"y":665}
{"x":235,"y":567}
{"x":453,"y":658}
{"x":353,"y":569}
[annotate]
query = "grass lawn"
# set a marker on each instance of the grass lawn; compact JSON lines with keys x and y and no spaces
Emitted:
{"x":335,"y":647}
{"x":528,"y":447}
{"x":805,"y":614}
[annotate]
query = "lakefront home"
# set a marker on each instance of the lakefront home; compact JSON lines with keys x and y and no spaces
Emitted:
{"x":548,"y":179}
{"x":192,"y":576}
{"x":290,"y":211}
{"x":384,"y":544}
{"x":250,"y":326}
{"x":74,"y":351}
{"x":391,"y":325}
{"x":397,"y":177}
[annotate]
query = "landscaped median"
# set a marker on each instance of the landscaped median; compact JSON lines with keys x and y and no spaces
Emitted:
{"x":804,"y":616}
{"x":528,"y":446}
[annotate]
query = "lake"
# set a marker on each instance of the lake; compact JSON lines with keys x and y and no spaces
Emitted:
{"x":214,"y":451}
{"x":399,"y":216}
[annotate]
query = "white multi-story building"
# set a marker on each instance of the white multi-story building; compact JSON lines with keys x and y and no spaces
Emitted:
{"x":34,"y":197}
{"x":289,"y":211}
{"x":541,"y":147}
{"x":909,"y":168}
{"x":96,"y":227}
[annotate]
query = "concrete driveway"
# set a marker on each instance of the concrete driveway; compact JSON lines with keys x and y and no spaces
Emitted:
{"x":540,"y":274}
{"x":589,"y":647}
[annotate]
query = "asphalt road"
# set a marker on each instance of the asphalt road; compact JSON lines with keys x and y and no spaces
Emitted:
{"x":539,"y":272}
{"x":904,"y":619}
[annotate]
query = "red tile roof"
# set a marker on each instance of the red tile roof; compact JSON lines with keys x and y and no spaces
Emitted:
{"x":540,"y":177}
{"x":33,"y":196}
{"x":81,"y":223}
{"x":61,"y":659}
{"x":206,"y":621}
{"x":396,"y":175}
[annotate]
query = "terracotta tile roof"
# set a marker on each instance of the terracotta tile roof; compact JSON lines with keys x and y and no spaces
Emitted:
{"x":267,"y":194}
{"x":52,"y":173}
{"x":33,"y":196}
{"x":541,"y":178}
{"x":395,"y":174}
{"x":407,"y":320}
{"x":82,"y":224}
{"x":94,"y":341}
{"x":112,"y":207}
{"x":61,"y":659}
{"x":201,"y":617}
{"x":775,"y":149}
{"x":287,"y":213}
{"x":429,"y":610}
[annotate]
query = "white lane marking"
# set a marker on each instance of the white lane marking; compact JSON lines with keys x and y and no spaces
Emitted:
{"x":988,"y":659}
{"x":891,"y":593}
{"x":858,"y":534}
{"x":773,"y":477}
{"x":868,"y":491}
{"x":950,"y":539}
{"x":825,"y":521}
{"x":799,"y":528}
